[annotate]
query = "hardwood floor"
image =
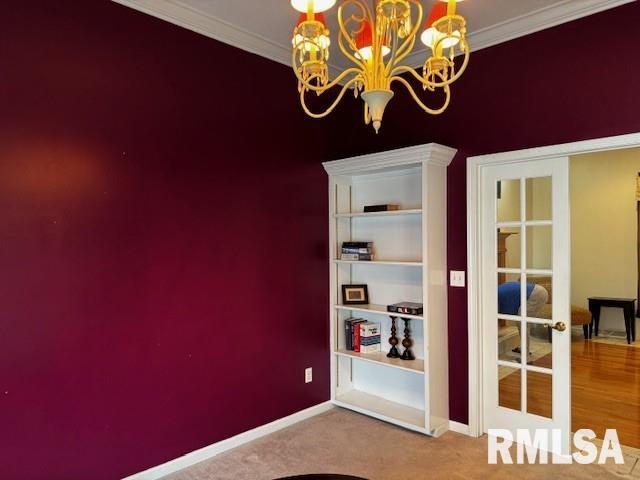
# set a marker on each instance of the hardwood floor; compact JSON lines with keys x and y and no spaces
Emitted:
{"x":605,"y":390}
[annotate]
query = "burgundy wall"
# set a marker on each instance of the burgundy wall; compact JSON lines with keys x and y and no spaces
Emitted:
{"x":573,"y":82}
{"x":163,"y":245}
{"x":163,"y":240}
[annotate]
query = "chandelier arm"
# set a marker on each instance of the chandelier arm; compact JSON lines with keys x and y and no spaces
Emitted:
{"x":321,"y":89}
{"x":404,"y":68}
{"x":367,"y":15}
{"x":407,"y":46}
{"x":332,"y":106}
{"x":459,"y":72}
{"x":431,"y":111}
{"x":307,"y":84}
{"x":407,"y":69}
{"x":359,"y":64}
{"x":401,"y":56}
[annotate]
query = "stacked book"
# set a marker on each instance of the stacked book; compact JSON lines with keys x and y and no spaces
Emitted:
{"x":360,"y":251}
{"x":362,"y":336}
{"x":410,"y":308}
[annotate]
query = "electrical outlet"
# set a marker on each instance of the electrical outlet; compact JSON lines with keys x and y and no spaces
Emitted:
{"x":308,"y":375}
{"x":456,"y":278}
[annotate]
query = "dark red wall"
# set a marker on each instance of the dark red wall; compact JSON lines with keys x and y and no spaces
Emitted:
{"x":573,"y":82}
{"x":163,"y":242}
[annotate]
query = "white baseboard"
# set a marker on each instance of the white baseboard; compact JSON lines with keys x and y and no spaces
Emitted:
{"x":459,"y":427}
{"x":210,"y":451}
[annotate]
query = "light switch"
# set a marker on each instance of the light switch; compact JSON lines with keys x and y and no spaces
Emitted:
{"x":456,"y":278}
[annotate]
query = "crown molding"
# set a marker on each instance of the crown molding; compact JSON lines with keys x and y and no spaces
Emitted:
{"x":562,"y":12}
{"x":178,"y":13}
{"x":432,"y":153}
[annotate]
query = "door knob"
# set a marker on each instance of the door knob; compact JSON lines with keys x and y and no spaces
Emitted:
{"x":559,"y":326}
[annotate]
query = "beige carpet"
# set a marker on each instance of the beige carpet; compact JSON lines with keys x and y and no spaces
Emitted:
{"x":340,"y":441}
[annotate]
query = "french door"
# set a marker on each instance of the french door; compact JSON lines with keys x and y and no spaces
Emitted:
{"x":525,"y":291}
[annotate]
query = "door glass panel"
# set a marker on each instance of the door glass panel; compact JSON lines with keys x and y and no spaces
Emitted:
{"x":509,"y":341}
{"x":539,"y":242}
{"x":539,"y":345}
{"x":509,"y":389}
{"x":509,"y":288}
{"x":539,"y":288}
{"x":508,"y":203}
{"x":509,"y":247}
{"x":539,"y":394}
{"x":538,"y":192}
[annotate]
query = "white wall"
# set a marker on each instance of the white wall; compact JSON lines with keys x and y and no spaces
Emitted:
{"x":603,"y":229}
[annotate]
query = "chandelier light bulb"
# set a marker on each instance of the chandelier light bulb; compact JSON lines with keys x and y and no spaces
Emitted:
{"x":321,"y":41}
{"x":364,"y":43}
{"x":431,"y":36}
{"x":316,"y":6}
{"x":366,"y":53}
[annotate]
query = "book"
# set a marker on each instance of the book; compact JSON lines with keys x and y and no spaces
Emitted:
{"x":369,"y":334}
{"x":357,"y":244}
{"x":364,"y":257}
{"x":356,"y":338}
{"x":380,"y":208}
{"x":370,"y":348}
{"x":410,"y":308}
{"x":357,"y":250}
{"x":349,"y":324}
{"x":369,"y":340}
{"x":370,"y":329}
{"x":367,"y":337}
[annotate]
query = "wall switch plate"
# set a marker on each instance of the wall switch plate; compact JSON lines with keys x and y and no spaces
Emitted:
{"x":456,"y":278}
{"x":308,"y":375}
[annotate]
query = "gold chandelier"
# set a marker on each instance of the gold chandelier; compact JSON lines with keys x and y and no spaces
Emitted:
{"x":376,"y":39}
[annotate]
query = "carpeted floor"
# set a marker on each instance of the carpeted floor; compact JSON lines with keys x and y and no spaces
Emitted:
{"x":340,"y":441}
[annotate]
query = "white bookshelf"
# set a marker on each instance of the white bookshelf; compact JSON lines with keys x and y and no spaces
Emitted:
{"x":410,"y":265}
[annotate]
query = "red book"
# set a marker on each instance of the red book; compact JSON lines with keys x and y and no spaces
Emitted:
{"x":356,"y":337}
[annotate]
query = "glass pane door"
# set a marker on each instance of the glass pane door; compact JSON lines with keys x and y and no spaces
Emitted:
{"x":524,"y":275}
{"x":525,"y":296}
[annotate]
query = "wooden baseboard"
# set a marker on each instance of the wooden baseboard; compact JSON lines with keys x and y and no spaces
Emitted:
{"x":459,"y":428}
{"x":210,"y":451}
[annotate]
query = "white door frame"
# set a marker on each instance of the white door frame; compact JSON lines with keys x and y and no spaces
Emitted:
{"x":474,"y":255}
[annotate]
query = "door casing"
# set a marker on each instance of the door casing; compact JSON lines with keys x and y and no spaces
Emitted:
{"x":474,"y":252}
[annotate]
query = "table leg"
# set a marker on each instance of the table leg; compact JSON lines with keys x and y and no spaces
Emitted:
{"x":629,"y":323}
{"x":627,"y":328}
{"x":596,"y":320}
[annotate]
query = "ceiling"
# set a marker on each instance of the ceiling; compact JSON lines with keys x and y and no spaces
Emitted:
{"x":264,"y":27}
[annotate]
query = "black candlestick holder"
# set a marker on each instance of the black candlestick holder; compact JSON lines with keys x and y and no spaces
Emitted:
{"x":393,"y":341}
{"x":407,"y":342}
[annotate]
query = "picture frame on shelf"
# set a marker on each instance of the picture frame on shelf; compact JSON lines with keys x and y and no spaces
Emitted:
{"x":355,"y":295}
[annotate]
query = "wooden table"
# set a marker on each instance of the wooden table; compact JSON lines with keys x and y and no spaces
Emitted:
{"x":626,"y":304}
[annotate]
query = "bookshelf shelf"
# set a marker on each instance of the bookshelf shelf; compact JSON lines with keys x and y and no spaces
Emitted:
{"x":381,"y":262}
{"x":412,"y":245}
{"x":380,"y":358}
{"x":392,"y":213}
{"x":377,"y":309}
{"x":382,"y":409}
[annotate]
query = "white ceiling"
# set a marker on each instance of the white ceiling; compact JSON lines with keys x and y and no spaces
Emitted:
{"x":265,"y":26}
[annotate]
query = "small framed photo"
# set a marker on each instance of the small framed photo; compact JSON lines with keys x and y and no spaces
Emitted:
{"x":355,"y":295}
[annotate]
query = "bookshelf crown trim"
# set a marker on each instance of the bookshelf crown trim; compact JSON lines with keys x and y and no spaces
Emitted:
{"x":432,"y":153}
